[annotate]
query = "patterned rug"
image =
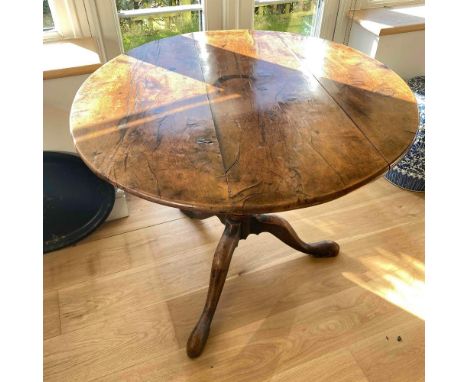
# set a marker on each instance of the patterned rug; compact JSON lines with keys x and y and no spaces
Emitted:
{"x":408,"y":173}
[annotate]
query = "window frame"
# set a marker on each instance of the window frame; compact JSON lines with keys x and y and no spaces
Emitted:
{"x":260,"y":3}
{"x":70,"y":20}
{"x":160,"y":11}
{"x":367,"y":4}
{"x":105,"y":22}
{"x":51,"y":34}
{"x":99,"y":19}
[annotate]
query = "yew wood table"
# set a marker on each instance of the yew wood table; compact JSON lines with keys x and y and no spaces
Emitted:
{"x":242,"y":123}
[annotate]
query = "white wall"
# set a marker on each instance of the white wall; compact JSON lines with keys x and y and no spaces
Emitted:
{"x":58,"y":97}
{"x":404,"y":53}
{"x":361,"y":39}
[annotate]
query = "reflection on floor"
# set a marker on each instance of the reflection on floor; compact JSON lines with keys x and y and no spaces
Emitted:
{"x":120,"y":305}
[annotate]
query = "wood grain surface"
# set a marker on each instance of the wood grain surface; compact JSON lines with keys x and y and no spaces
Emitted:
{"x":242,"y":122}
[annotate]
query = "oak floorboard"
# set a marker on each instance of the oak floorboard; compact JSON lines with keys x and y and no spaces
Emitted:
{"x":338,"y":366}
{"x":121,"y":307}
{"x":276,"y":343}
{"x":87,"y":261}
{"x":141,"y":215}
{"x":164,"y":278}
{"x":251,"y":296}
{"x":91,"y":260}
{"x":51,"y":319}
{"x":110,"y":345}
{"x":383,"y":358}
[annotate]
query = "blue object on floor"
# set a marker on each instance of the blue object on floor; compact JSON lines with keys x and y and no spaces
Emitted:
{"x":76,"y":201}
{"x":408,"y":173}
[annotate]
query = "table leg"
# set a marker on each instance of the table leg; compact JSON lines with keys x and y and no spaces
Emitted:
{"x":237,"y":228}
{"x":280,"y":228}
{"x":219,"y":270}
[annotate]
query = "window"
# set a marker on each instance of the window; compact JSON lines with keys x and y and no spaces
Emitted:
{"x":142,"y":21}
{"x":120,"y":25}
{"x":47,"y":19}
{"x":64,"y":19}
{"x":298,"y":16}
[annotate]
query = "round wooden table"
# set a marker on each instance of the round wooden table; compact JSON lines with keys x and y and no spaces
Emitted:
{"x":241,"y":123}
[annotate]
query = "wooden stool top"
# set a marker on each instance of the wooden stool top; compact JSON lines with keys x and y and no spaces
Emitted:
{"x":242,"y":122}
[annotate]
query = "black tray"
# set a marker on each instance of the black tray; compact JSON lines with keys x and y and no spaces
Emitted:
{"x":76,"y":201}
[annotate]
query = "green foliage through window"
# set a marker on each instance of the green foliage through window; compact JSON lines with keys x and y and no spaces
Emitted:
{"x":47,"y":21}
{"x":139,"y":30}
{"x":294,"y":16}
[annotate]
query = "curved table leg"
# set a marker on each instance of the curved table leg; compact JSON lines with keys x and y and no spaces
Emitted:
{"x":280,"y":228}
{"x":219,"y":270}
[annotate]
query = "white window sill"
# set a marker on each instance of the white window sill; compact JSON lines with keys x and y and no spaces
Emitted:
{"x":390,"y":20}
{"x":69,"y":58}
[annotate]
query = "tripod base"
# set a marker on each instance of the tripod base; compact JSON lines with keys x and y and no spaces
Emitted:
{"x":238,"y":228}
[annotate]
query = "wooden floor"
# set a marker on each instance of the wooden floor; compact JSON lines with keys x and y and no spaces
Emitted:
{"x":120,"y":305}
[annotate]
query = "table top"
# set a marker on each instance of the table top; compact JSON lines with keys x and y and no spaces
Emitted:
{"x":242,"y":122}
